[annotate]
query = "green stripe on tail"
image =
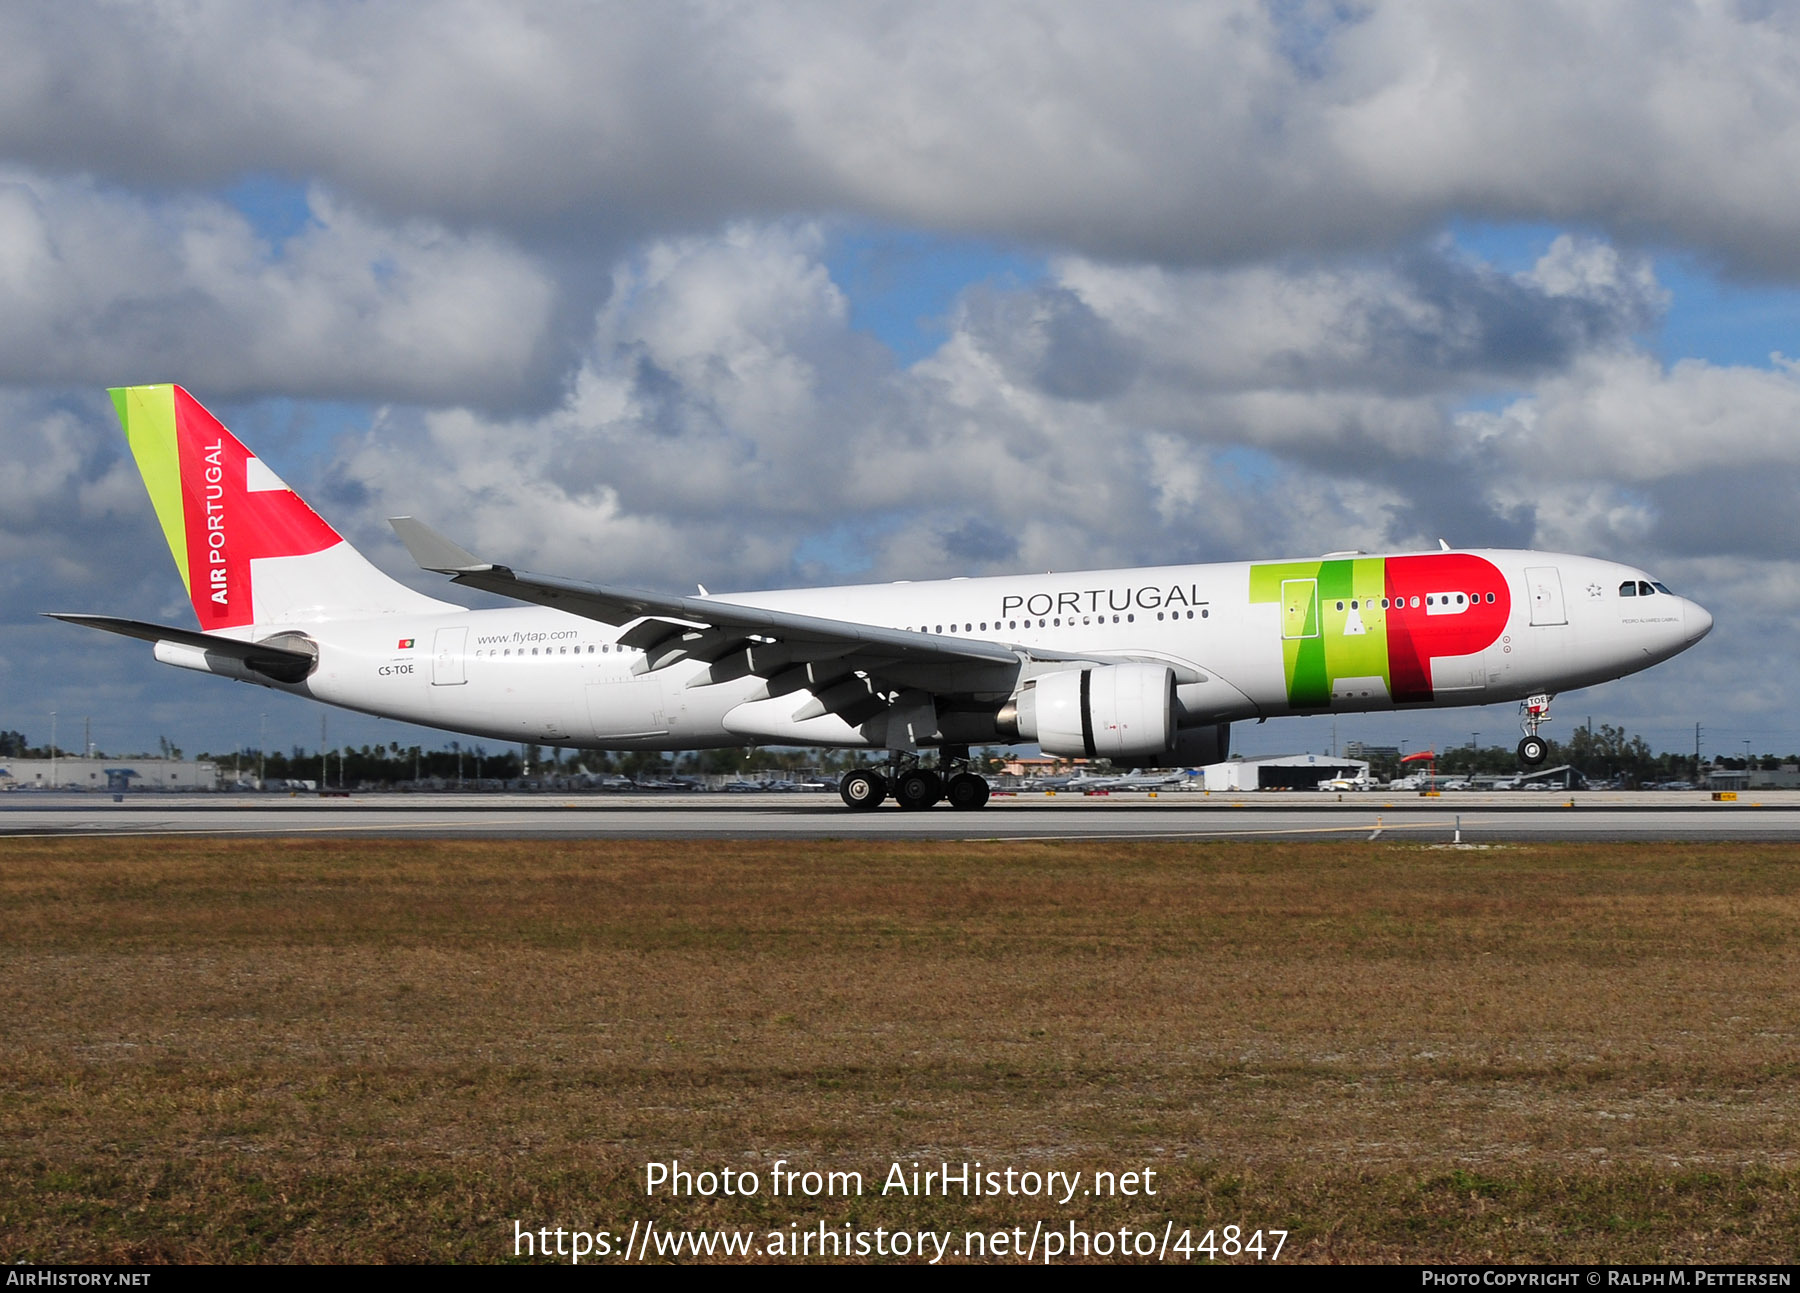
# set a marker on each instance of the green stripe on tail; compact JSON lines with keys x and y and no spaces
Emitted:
{"x":148,"y":415}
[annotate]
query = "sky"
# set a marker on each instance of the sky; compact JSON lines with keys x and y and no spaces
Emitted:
{"x":759,"y":296}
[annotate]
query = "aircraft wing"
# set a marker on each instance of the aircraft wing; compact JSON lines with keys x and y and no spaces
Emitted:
{"x":787,"y":649}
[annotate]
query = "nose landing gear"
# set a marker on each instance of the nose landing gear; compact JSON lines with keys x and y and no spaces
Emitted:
{"x":1533,"y":713}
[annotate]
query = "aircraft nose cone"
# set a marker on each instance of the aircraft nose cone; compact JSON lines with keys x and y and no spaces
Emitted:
{"x":1699,"y":621}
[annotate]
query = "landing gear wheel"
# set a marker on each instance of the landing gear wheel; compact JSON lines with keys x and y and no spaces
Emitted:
{"x":863,"y":790}
{"x":1533,"y":751}
{"x":967,"y":790}
{"x":918,"y":789}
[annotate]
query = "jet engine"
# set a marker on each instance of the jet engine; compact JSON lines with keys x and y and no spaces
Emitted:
{"x":1113,"y":711}
{"x":1195,"y":747}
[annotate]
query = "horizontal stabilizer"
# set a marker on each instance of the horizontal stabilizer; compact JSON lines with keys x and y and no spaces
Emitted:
{"x":282,"y":662}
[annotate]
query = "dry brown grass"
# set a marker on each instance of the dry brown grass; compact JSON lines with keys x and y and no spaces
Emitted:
{"x":388,"y":1050}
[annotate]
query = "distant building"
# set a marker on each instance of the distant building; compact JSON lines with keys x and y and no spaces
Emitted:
{"x":1281,"y":772}
{"x":108,"y":774}
{"x":1371,"y":753}
{"x":1563,"y":777}
{"x":1038,"y":766}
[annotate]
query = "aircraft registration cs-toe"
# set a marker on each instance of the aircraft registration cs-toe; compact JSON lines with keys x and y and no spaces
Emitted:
{"x":1146,"y":667}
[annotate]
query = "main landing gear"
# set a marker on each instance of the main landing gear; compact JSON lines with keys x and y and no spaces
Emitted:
{"x":913,"y":788}
{"x":1533,"y":713}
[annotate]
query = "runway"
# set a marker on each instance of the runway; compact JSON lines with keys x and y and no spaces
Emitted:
{"x":1471,"y":816}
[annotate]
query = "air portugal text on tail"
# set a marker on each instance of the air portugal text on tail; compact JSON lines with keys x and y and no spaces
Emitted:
{"x":1146,"y":667}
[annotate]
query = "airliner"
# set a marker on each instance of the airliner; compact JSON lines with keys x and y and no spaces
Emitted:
{"x":1147,"y":667}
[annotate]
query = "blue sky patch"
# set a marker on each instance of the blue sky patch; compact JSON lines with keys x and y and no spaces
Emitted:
{"x":1725,"y":322}
{"x":1710,"y":317}
{"x":902,"y":284}
{"x":275,"y":206}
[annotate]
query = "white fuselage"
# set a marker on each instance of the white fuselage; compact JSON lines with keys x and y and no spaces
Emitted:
{"x":536,"y":675}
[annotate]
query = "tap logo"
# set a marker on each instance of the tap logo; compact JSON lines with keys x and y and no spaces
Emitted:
{"x":1380,"y":619}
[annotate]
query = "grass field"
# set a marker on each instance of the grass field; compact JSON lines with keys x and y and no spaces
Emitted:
{"x":393,"y":1050}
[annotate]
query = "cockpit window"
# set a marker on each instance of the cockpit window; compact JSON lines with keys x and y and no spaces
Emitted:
{"x":1660,"y":586}
{"x":1628,"y":588}
{"x":1644,"y":589}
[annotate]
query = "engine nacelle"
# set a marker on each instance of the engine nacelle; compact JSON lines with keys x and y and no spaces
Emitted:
{"x":1195,"y":747}
{"x":1112,"y":711}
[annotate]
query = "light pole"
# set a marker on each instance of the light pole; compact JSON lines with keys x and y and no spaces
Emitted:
{"x":262,"y":743}
{"x":53,"y":749}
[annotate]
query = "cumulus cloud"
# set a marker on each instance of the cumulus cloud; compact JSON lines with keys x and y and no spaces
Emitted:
{"x":725,"y":415}
{"x":1626,"y":417}
{"x":106,"y":288}
{"x":1158,"y":131}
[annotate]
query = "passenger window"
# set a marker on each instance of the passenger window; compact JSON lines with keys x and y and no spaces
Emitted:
{"x":1628,"y":588}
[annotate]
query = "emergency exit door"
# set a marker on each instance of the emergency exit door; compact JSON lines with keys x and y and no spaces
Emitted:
{"x":1299,"y":608}
{"x":1545,"y":585}
{"x":447,"y":657}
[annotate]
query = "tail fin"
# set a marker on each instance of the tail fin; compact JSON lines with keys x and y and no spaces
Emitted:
{"x":249,"y":549}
